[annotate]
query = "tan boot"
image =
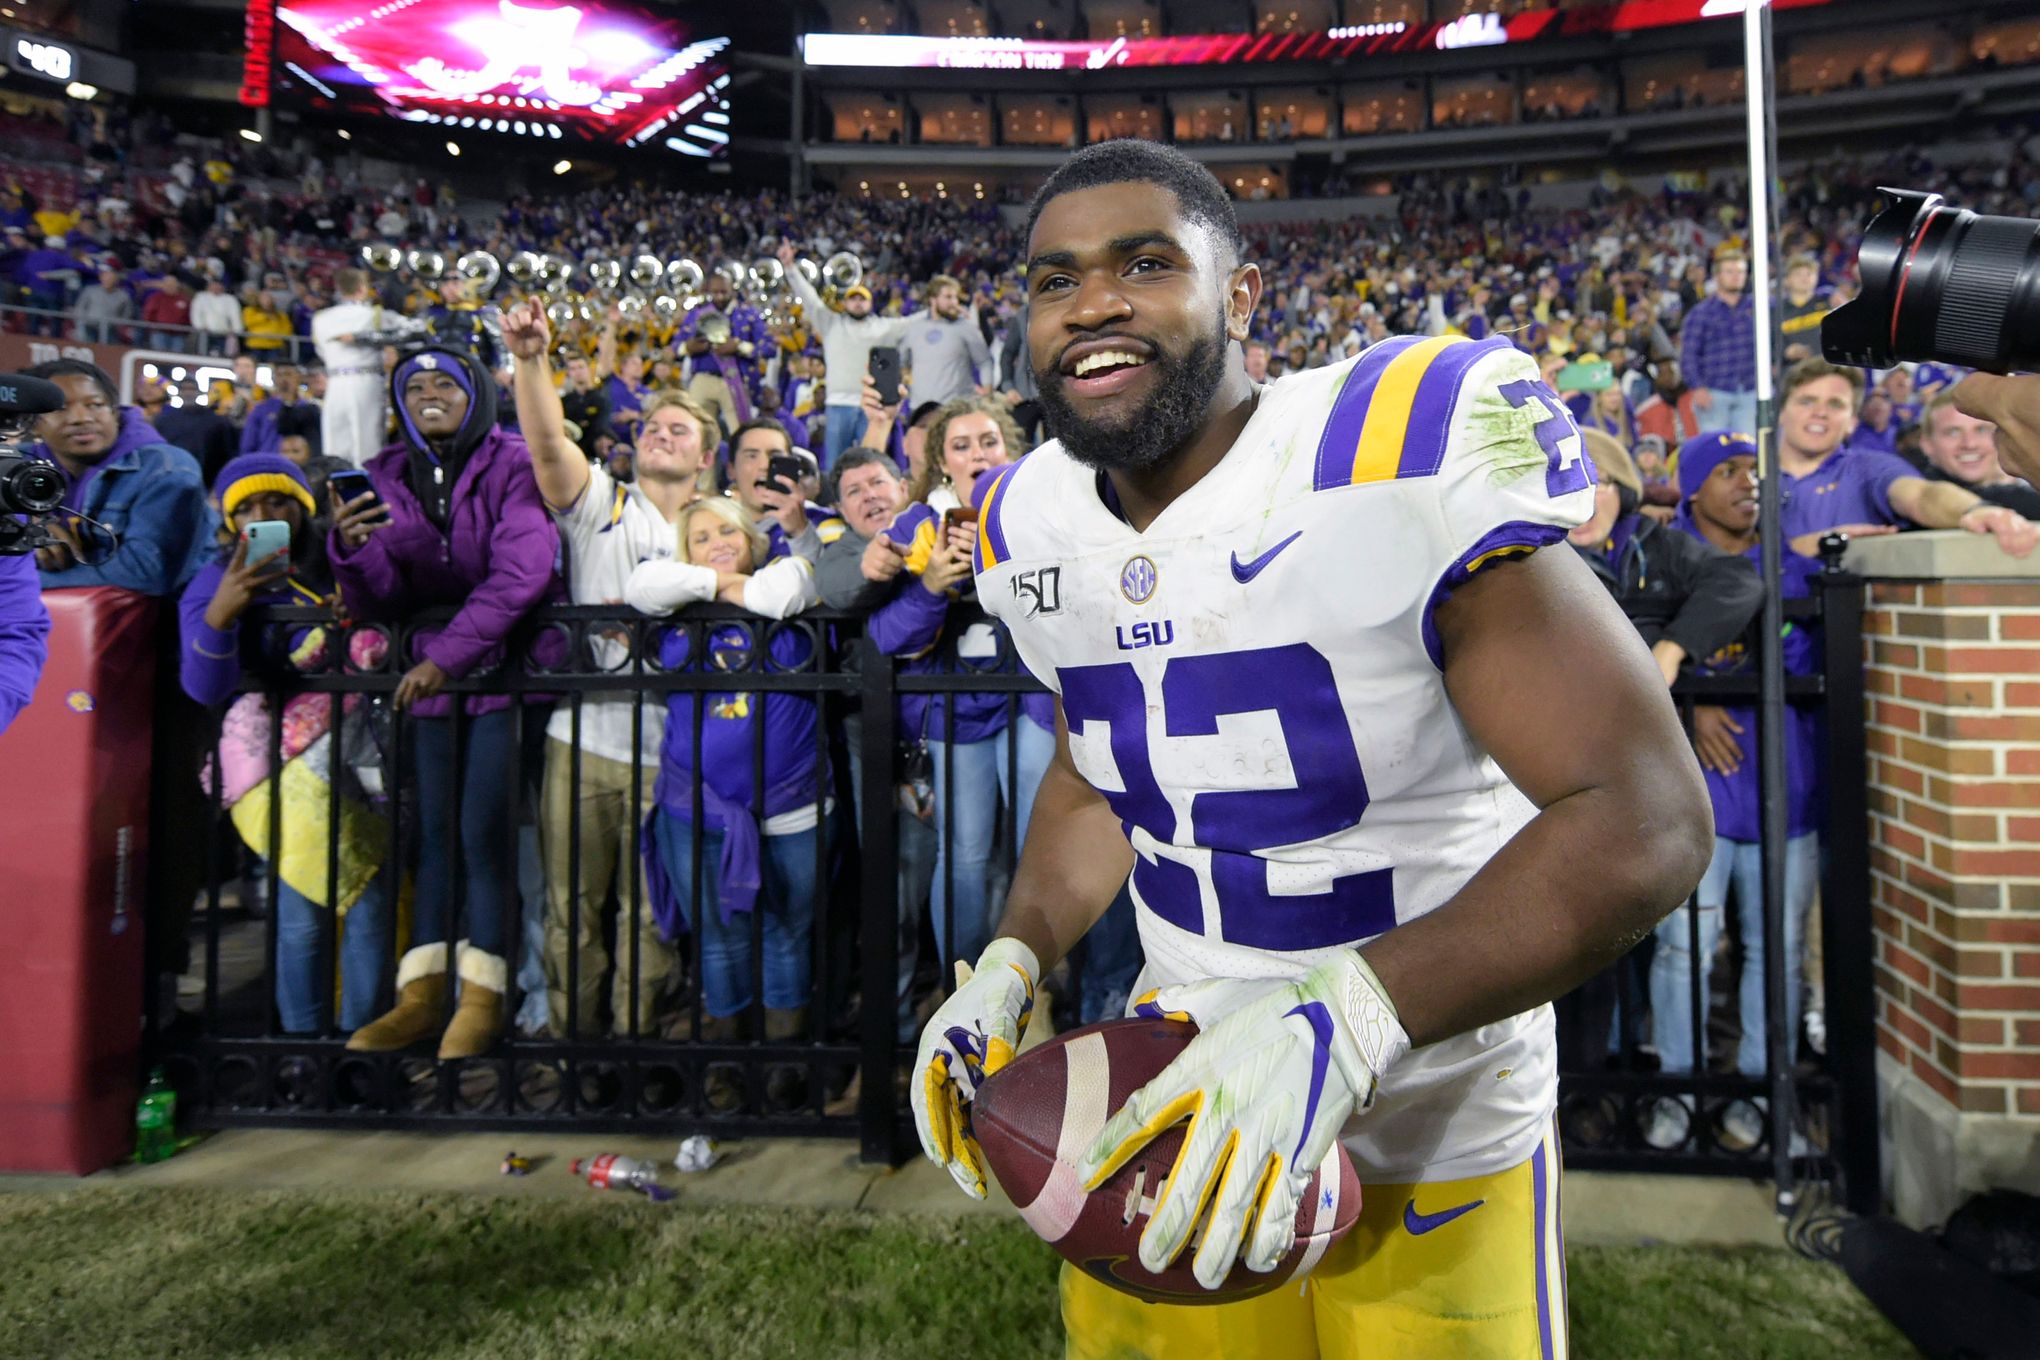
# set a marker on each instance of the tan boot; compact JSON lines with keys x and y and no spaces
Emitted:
{"x":478,"y":1022}
{"x":420,"y":1008}
{"x":785,"y":1024}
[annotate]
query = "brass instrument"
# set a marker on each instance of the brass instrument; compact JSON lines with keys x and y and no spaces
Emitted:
{"x":604,"y":275}
{"x":646,"y":273}
{"x":525,"y":267}
{"x":428,"y":265}
{"x":481,"y":269}
{"x":382,"y":257}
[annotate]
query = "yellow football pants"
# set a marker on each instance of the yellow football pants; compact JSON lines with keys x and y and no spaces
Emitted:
{"x":1445,"y":1270}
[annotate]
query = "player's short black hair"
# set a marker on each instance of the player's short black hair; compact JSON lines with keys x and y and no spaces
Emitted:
{"x":77,"y":368}
{"x":1129,"y":160}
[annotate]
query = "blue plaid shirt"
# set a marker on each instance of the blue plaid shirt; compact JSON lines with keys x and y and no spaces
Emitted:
{"x":1718,"y":345}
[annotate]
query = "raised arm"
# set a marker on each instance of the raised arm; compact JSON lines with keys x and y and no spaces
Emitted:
{"x":558,"y":463}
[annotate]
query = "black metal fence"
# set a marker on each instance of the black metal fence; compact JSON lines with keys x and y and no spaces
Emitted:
{"x":673,"y":1068}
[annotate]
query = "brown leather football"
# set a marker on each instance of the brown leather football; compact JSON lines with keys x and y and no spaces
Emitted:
{"x":1035,"y":1118}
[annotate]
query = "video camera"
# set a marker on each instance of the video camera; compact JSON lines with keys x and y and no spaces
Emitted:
{"x":1942,"y":284}
{"x":31,"y":490}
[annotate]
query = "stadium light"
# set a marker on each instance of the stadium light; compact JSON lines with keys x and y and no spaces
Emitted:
{"x":250,"y":135}
{"x":78,"y":89}
{"x":561,"y":167}
{"x":453,"y":148}
{"x":345,"y":135}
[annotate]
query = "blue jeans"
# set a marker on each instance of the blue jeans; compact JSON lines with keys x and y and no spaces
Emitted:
{"x":1730,"y":411}
{"x":966,"y":821}
{"x":300,"y":985}
{"x":915,"y":851}
{"x":787,"y":898}
{"x":485,"y":839}
{"x":845,"y":427}
{"x":1671,"y":971}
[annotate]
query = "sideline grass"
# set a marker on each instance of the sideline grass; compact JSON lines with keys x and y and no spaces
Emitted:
{"x":109,"y":1273}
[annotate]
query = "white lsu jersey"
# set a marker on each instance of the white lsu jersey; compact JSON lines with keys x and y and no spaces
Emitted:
{"x":1255,"y":685}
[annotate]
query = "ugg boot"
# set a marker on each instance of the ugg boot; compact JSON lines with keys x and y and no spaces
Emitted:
{"x":420,"y":1008}
{"x":478,"y":1021}
{"x":790,"y":1023}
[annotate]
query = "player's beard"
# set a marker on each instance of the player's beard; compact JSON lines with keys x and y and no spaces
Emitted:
{"x":1148,"y":436}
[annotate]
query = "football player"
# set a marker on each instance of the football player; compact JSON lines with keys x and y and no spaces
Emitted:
{"x":1354,"y":733}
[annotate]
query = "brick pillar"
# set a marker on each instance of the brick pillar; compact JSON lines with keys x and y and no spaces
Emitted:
{"x":1952,"y":688}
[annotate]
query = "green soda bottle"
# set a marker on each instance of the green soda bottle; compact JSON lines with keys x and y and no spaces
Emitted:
{"x":156,"y":1120}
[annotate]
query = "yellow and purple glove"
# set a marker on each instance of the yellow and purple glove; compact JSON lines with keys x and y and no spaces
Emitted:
{"x":1274,"y":1072}
{"x":971,"y":1036}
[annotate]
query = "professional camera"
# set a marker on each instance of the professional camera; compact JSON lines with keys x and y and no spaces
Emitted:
{"x":1942,"y":284}
{"x":30,"y":489}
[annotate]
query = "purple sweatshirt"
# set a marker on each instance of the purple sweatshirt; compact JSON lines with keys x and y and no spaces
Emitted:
{"x":496,"y":560}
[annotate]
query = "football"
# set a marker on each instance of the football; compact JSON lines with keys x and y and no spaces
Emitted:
{"x":1036,"y":1116}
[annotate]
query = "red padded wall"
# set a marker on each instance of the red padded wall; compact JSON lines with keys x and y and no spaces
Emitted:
{"x":74,"y":821}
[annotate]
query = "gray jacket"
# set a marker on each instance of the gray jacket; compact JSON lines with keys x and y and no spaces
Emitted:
{"x":839,"y":575}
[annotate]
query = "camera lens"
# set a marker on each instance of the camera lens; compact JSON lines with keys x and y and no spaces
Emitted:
{"x":29,"y":486}
{"x":1941,"y":283}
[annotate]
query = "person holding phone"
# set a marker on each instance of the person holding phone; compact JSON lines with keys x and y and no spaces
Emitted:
{"x":272,"y":553}
{"x":455,"y":520}
{"x":976,"y":762}
{"x":848,"y":337}
{"x":765,"y":473}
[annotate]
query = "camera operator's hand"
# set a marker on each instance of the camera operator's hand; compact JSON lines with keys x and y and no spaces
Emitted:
{"x":2013,"y":405}
{"x":241,"y":584}
{"x":67,"y":551}
{"x":361,"y":517}
{"x":421,"y":682}
{"x":2013,"y":531}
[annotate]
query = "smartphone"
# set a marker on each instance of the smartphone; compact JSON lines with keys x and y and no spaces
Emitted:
{"x":783,"y":473}
{"x":266,"y":538}
{"x":960,"y":515}
{"x":350,"y":484}
{"x":885,"y":371}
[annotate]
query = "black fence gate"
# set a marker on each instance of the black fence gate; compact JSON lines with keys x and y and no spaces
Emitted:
{"x":837,"y":1067}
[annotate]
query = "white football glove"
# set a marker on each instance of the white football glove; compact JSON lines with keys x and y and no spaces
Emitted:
{"x":1266,"y":1085}
{"x":971,"y":1036}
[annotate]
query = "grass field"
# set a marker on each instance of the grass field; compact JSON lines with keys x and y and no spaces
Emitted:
{"x":107,"y":1273}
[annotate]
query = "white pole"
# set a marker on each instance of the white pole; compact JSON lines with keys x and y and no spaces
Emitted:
{"x":1757,"y":109}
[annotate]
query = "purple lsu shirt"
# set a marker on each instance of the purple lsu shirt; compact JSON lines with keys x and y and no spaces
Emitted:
{"x":1851,"y":486}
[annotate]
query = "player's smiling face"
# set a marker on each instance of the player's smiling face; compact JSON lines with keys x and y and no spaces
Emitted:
{"x":1132,"y":305}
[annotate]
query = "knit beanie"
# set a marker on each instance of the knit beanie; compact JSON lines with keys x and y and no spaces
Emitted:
{"x":253,"y":473}
{"x":1700,"y":455}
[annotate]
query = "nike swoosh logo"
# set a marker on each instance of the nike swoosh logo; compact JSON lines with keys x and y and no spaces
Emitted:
{"x":1419,"y":1224}
{"x":1319,"y":1018}
{"x":1244,"y":572}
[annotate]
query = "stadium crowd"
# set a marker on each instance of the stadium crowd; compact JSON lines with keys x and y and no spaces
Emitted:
{"x":513,"y":453}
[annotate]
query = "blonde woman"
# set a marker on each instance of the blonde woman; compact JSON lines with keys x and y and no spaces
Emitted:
{"x":759,"y":845}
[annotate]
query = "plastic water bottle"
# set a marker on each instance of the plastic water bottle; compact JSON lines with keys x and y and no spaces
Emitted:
{"x":156,"y":1120}
{"x":614,"y":1171}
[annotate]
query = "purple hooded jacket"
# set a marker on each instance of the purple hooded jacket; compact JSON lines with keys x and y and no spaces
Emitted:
{"x":497,"y":558}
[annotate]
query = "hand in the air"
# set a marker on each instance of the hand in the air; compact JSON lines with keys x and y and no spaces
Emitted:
{"x":525,"y":332}
{"x":1275,"y":1071}
{"x":971,"y":1036}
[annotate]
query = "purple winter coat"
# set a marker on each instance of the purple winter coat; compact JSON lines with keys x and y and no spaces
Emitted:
{"x":497,"y":560}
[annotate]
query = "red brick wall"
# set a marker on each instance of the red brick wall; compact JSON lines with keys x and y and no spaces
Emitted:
{"x":1953,"y":698}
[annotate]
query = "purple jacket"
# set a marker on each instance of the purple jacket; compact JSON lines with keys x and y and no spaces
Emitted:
{"x":24,"y":634}
{"x":498,"y":558}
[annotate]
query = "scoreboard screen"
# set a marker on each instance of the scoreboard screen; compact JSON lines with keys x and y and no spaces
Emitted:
{"x":541,"y":70}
